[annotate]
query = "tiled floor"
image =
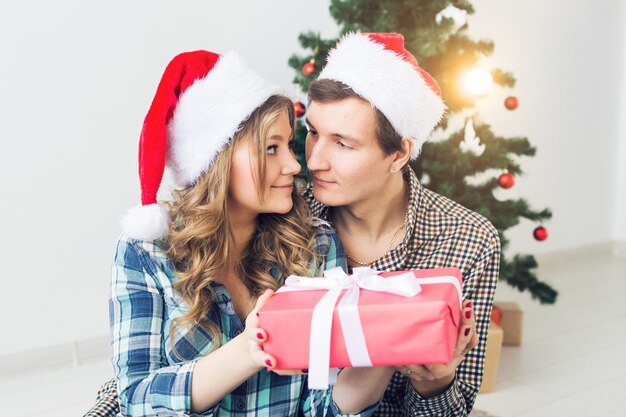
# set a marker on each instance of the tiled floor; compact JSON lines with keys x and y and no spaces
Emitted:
{"x":570,"y":364}
{"x":571,"y":361}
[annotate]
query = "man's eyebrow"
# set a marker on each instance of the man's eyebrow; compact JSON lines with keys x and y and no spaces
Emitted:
{"x":348,"y":137}
{"x":339,"y":135}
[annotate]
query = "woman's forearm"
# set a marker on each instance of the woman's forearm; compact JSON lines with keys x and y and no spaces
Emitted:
{"x":220,"y":372}
{"x":358,"y":388}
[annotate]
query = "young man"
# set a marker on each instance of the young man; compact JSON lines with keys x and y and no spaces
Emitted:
{"x":369,"y":113}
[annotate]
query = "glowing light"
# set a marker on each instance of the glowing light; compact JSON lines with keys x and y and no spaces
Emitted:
{"x":477,"y":82}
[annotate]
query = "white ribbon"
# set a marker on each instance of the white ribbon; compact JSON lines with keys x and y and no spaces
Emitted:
{"x":335,"y":281}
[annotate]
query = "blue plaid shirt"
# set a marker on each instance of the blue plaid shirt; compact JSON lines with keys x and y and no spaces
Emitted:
{"x":153,"y":381}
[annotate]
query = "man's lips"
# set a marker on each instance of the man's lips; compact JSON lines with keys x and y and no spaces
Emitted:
{"x":321,"y":181}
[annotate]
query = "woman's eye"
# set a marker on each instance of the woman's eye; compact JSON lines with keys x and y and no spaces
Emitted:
{"x":312,"y":132}
{"x":271,"y":150}
{"x":292,"y":144}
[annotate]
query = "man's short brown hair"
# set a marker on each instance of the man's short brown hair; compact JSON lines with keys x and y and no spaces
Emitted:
{"x":325,"y":91}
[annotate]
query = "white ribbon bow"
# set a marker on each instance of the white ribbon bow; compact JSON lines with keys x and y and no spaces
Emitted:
{"x":336,"y":280}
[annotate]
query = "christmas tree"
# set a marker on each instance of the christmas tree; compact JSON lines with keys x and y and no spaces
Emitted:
{"x":435,"y":31}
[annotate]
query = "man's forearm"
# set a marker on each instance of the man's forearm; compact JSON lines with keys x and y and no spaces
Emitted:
{"x":358,"y":388}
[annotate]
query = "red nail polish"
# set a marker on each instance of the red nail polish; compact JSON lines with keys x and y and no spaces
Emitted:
{"x":259,"y":335}
{"x":468,"y":304}
{"x":468,"y":314}
{"x":467,"y":331}
{"x":257,"y":314}
{"x":306,"y":371}
{"x":268,"y":363}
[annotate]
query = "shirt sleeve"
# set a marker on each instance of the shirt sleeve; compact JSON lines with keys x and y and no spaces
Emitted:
{"x":147,"y":385}
{"x":479,"y":287}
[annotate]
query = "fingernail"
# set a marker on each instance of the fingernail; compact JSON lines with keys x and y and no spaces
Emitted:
{"x":468,"y":314}
{"x":257,"y":314}
{"x":468,"y":304}
{"x":467,"y":331}
{"x":259,"y":335}
{"x":306,"y":371}
{"x":268,"y":363}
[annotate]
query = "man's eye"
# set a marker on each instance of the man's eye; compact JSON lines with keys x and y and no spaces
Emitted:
{"x":343,"y":145}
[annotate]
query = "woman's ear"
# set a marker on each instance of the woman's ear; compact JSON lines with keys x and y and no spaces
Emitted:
{"x":401,"y":158}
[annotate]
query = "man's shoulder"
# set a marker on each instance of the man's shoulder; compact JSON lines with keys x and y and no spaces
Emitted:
{"x":438,"y":209}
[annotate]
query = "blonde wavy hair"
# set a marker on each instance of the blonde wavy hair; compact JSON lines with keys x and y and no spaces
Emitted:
{"x":201,"y":240}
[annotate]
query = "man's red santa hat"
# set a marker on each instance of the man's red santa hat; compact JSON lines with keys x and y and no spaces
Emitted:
{"x":378,"y":67}
{"x":201,"y":101}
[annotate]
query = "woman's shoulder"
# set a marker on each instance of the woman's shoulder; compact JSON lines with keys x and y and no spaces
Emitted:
{"x":327,"y":242}
{"x":141,"y":254}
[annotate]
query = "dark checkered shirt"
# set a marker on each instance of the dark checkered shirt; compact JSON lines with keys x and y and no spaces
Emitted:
{"x":441,"y":233}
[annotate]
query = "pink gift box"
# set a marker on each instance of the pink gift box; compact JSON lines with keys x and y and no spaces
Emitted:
{"x":398,"y":330}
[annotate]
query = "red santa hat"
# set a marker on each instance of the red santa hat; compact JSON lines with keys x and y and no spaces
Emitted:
{"x":199,"y":105}
{"x":379,"y":68}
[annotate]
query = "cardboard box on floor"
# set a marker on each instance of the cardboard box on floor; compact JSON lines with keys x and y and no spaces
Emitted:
{"x":492,"y":357}
{"x":512,"y":323}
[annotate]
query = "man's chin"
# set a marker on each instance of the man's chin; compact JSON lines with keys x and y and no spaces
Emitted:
{"x":328,"y":199}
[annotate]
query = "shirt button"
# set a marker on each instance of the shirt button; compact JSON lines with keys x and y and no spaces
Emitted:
{"x":241,"y":405}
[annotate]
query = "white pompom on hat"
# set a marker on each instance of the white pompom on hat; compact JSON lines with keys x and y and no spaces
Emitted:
{"x":199,"y":105}
{"x":378,"y":67}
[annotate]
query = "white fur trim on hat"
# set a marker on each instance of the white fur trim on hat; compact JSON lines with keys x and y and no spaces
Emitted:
{"x":147,"y":222}
{"x":390,"y":83}
{"x":209,"y":113}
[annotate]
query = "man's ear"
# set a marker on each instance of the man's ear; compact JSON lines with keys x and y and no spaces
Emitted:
{"x":402,"y":157}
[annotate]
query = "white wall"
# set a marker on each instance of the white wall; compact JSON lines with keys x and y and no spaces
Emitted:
{"x":76,"y":81}
{"x":77,"y":78}
{"x":620,"y":207}
{"x":568,"y":60}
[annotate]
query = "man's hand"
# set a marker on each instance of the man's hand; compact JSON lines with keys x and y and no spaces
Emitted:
{"x":432,"y":380}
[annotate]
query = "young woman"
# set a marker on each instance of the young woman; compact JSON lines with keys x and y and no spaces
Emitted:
{"x":190,"y":275}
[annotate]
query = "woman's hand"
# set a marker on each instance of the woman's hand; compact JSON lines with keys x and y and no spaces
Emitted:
{"x":432,"y":380}
{"x":256,"y":336}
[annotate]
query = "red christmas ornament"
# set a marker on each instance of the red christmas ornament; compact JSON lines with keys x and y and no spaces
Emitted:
{"x":496,"y":315}
{"x":540,"y":233}
{"x":299,"y":108}
{"x":506,"y":180}
{"x":511,"y":102}
{"x":308,"y":69}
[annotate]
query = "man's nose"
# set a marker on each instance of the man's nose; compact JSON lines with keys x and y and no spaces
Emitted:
{"x":316,"y":155}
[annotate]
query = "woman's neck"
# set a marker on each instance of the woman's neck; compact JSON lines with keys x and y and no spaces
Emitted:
{"x":243,"y":229}
{"x":243,"y":226}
